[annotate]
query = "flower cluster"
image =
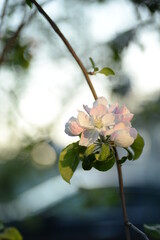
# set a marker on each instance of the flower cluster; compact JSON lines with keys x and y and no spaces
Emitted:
{"x":103,"y":120}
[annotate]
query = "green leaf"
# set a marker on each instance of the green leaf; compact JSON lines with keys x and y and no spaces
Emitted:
{"x":104,"y":153}
{"x":87,"y":163}
{"x":29,"y":3}
{"x":69,"y":159}
{"x":122,"y":160}
{"x":96,"y":69}
{"x":107,"y":71}
{"x":152,"y":230}
{"x":90,"y":149}
{"x":105,"y":165}
{"x":10,"y":234}
{"x":1,"y":227}
{"x":92,"y":62}
{"x":129,"y":156}
{"x":137,"y":147}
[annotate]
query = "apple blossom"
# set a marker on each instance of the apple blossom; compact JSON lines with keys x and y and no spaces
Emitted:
{"x":103,"y":120}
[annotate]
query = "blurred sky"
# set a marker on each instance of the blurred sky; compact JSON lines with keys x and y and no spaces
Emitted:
{"x":49,"y":81}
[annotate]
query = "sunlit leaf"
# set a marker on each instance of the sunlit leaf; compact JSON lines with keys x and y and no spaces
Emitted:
{"x":137,"y":147}
{"x":152,"y":230}
{"x":105,"y":165}
{"x":29,"y":3}
{"x":10,"y":234}
{"x":104,"y":153}
{"x":107,"y":71}
{"x":69,"y":159}
{"x":90,"y":149}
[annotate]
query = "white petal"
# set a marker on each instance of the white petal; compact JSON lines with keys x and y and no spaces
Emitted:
{"x":72,"y":128}
{"x":124,"y":137}
{"x":84,"y":121}
{"x":108,"y":119}
{"x":98,"y":111}
{"x":100,"y":101}
{"x":87,"y":109}
{"x":88,"y":137}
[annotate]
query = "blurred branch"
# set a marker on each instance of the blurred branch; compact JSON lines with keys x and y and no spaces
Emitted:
{"x":12,"y":40}
{"x":3,"y":13}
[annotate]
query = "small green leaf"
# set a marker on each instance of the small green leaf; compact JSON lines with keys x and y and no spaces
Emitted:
{"x":92,"y":62}
{"x":10,"y":234}
{"x":69,"y":159}
{"x":137,"y":147}
{"x":90,"y":149}
{"x":152,"y":230}
{"x":104,"y":153}
{"x":96,"y":69}
{"x":123,"y":159}
{"x":105,"y":165}
{"x":107,"y":71}
{"x":129,"y":156}
{"x":29,"y":3}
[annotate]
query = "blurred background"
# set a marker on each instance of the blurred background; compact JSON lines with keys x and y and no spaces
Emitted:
{"x":41,"y":87}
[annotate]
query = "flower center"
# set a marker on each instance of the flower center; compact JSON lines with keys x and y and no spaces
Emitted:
{"x":98,"y":123}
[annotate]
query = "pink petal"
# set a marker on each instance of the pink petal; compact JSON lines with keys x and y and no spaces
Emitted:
{"x":88,"y":137}
{"x":84,"y":121}
{"x":108,"y":119}
{"x":118,"y":126}
{"x":87,"y":109}
{"x":113,"y":107}
{"x":98,"y":111}
{"x":125,"y":117}
{"x":124,"y":137}
{"x":72,"y":128}
{"x":100,"y":101}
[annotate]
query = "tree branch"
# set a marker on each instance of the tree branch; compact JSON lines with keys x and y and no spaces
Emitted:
{"x":123,"y":201}
{"x":3,"y":13}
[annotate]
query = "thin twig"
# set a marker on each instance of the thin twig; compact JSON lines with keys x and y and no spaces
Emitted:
{"x":3,"y":13}
{"x":123,"y":201}
{"x":71,"y":50}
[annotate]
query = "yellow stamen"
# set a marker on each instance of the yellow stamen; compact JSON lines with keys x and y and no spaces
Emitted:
{"x":98,"y":123}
